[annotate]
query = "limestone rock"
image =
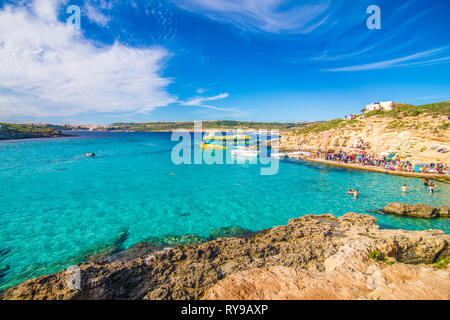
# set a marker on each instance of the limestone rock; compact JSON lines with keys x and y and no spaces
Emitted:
{"x":444,"y":211}
{"x":419,"y":210}
{"x":312,"y":257}
{"x":411,"y":136}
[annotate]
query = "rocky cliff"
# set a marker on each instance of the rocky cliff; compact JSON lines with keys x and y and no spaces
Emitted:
{"x":313,"y":257}
{"x":417,"y":136}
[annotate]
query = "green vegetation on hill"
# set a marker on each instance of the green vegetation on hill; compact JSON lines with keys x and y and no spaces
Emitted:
{"x":23,"y":128}
{"x":400,"y":111}
{"x":406,"y":110}
{"x":217,"y":124}
{"x":322,"y":126}
{"x":23,"y":131}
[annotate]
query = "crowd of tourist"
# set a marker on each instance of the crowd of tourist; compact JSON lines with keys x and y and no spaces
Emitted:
{"x":388,"y":162}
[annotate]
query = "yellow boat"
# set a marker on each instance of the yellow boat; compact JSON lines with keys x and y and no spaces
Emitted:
{"x":212,"y":146}
{"x":226,"y":138}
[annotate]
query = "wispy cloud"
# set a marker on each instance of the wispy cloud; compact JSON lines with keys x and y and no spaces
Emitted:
{"x":274,"y":16}
{"x":95,"y":15}
{"x":48,"y":69}
{"x":200,"y":102}
{"x":435,"y":97}
{"x":394,"y":62}
{"x":348,"y":44}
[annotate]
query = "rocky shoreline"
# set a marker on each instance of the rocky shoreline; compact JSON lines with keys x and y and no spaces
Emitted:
{"x":418,"y":210}
{"x":313,"y":257}
{"x":32,"y":135}
{"x":445,"y":178}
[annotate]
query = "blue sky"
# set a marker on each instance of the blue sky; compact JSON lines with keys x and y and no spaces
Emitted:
{"x":259,"y":60}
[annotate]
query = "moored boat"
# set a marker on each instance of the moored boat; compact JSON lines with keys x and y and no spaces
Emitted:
{"x":245,"y":152}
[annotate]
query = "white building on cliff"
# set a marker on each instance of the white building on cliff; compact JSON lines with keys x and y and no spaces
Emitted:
{"x":385,"y":105}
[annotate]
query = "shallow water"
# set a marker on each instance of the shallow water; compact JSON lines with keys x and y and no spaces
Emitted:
{"x":56,"y":203}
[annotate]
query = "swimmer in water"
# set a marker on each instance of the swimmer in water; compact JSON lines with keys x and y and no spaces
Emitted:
{"x":356,"y":193}
{"x":426,"y":183}
{"x":431,"y":188}
{"x":350,"y":191}
{"x":404,"y":188}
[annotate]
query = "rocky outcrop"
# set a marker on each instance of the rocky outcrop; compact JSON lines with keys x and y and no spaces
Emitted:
{"x":444,"y":211}
{"x":312,"y":257}
{"x":29,"y":135}
{"x":371,"y":281}
{"x":419,"y":210}
{"x":228,"y":232}
{"x":410,"y":136}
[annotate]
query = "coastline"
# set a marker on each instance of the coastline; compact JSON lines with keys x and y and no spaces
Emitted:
{"x":306,"y":251}
{"x":28,"y":136}
{"x":445,"y":178}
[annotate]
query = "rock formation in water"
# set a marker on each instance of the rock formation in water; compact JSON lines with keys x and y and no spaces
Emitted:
{"x":419,"y":210}
{"x":313,"y":257}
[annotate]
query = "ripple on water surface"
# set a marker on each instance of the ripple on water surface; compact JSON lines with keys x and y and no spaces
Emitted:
{"x":56,"y":203}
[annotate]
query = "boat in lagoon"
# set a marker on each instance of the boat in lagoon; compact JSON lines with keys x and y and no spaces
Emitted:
{"x":212,"y":146}
{"x":235,"y":137}
{"x":279,"y":155}
{"x":245,"y":152}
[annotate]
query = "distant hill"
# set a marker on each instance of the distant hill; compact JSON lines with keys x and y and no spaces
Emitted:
{"x":23,"y":131}
{"x":217,"y":124}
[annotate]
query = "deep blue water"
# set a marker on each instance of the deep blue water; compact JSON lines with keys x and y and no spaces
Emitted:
{"x":55,"y":202}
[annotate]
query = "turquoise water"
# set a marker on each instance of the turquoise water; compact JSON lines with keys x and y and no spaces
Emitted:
{"x":55,"y":202}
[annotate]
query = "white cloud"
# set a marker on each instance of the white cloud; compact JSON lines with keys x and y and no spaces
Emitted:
{"x":218,"y":111}
{"x":274,"y":16}
{"x":199,"y":102}
{"x":96,"y":15}
{"x":201,"y":90}
{"x":46,"y":9}
{"x":394,"y":62}
{"x":48,"y":69}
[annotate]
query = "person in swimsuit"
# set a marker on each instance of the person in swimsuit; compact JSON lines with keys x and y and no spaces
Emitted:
{"x":356,"y":193}
{"x":426,"y":183}
{"x":404,"y":188}
{"x":431,"y":188}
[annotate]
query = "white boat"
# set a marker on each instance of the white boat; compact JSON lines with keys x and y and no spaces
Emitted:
{"x":278,"y":155}
{"x":245,"y":152}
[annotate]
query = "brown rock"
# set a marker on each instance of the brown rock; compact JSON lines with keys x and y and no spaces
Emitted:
{"x":444,"y":211}
{"x":322,"y":251}
{"x":419,"y":210}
